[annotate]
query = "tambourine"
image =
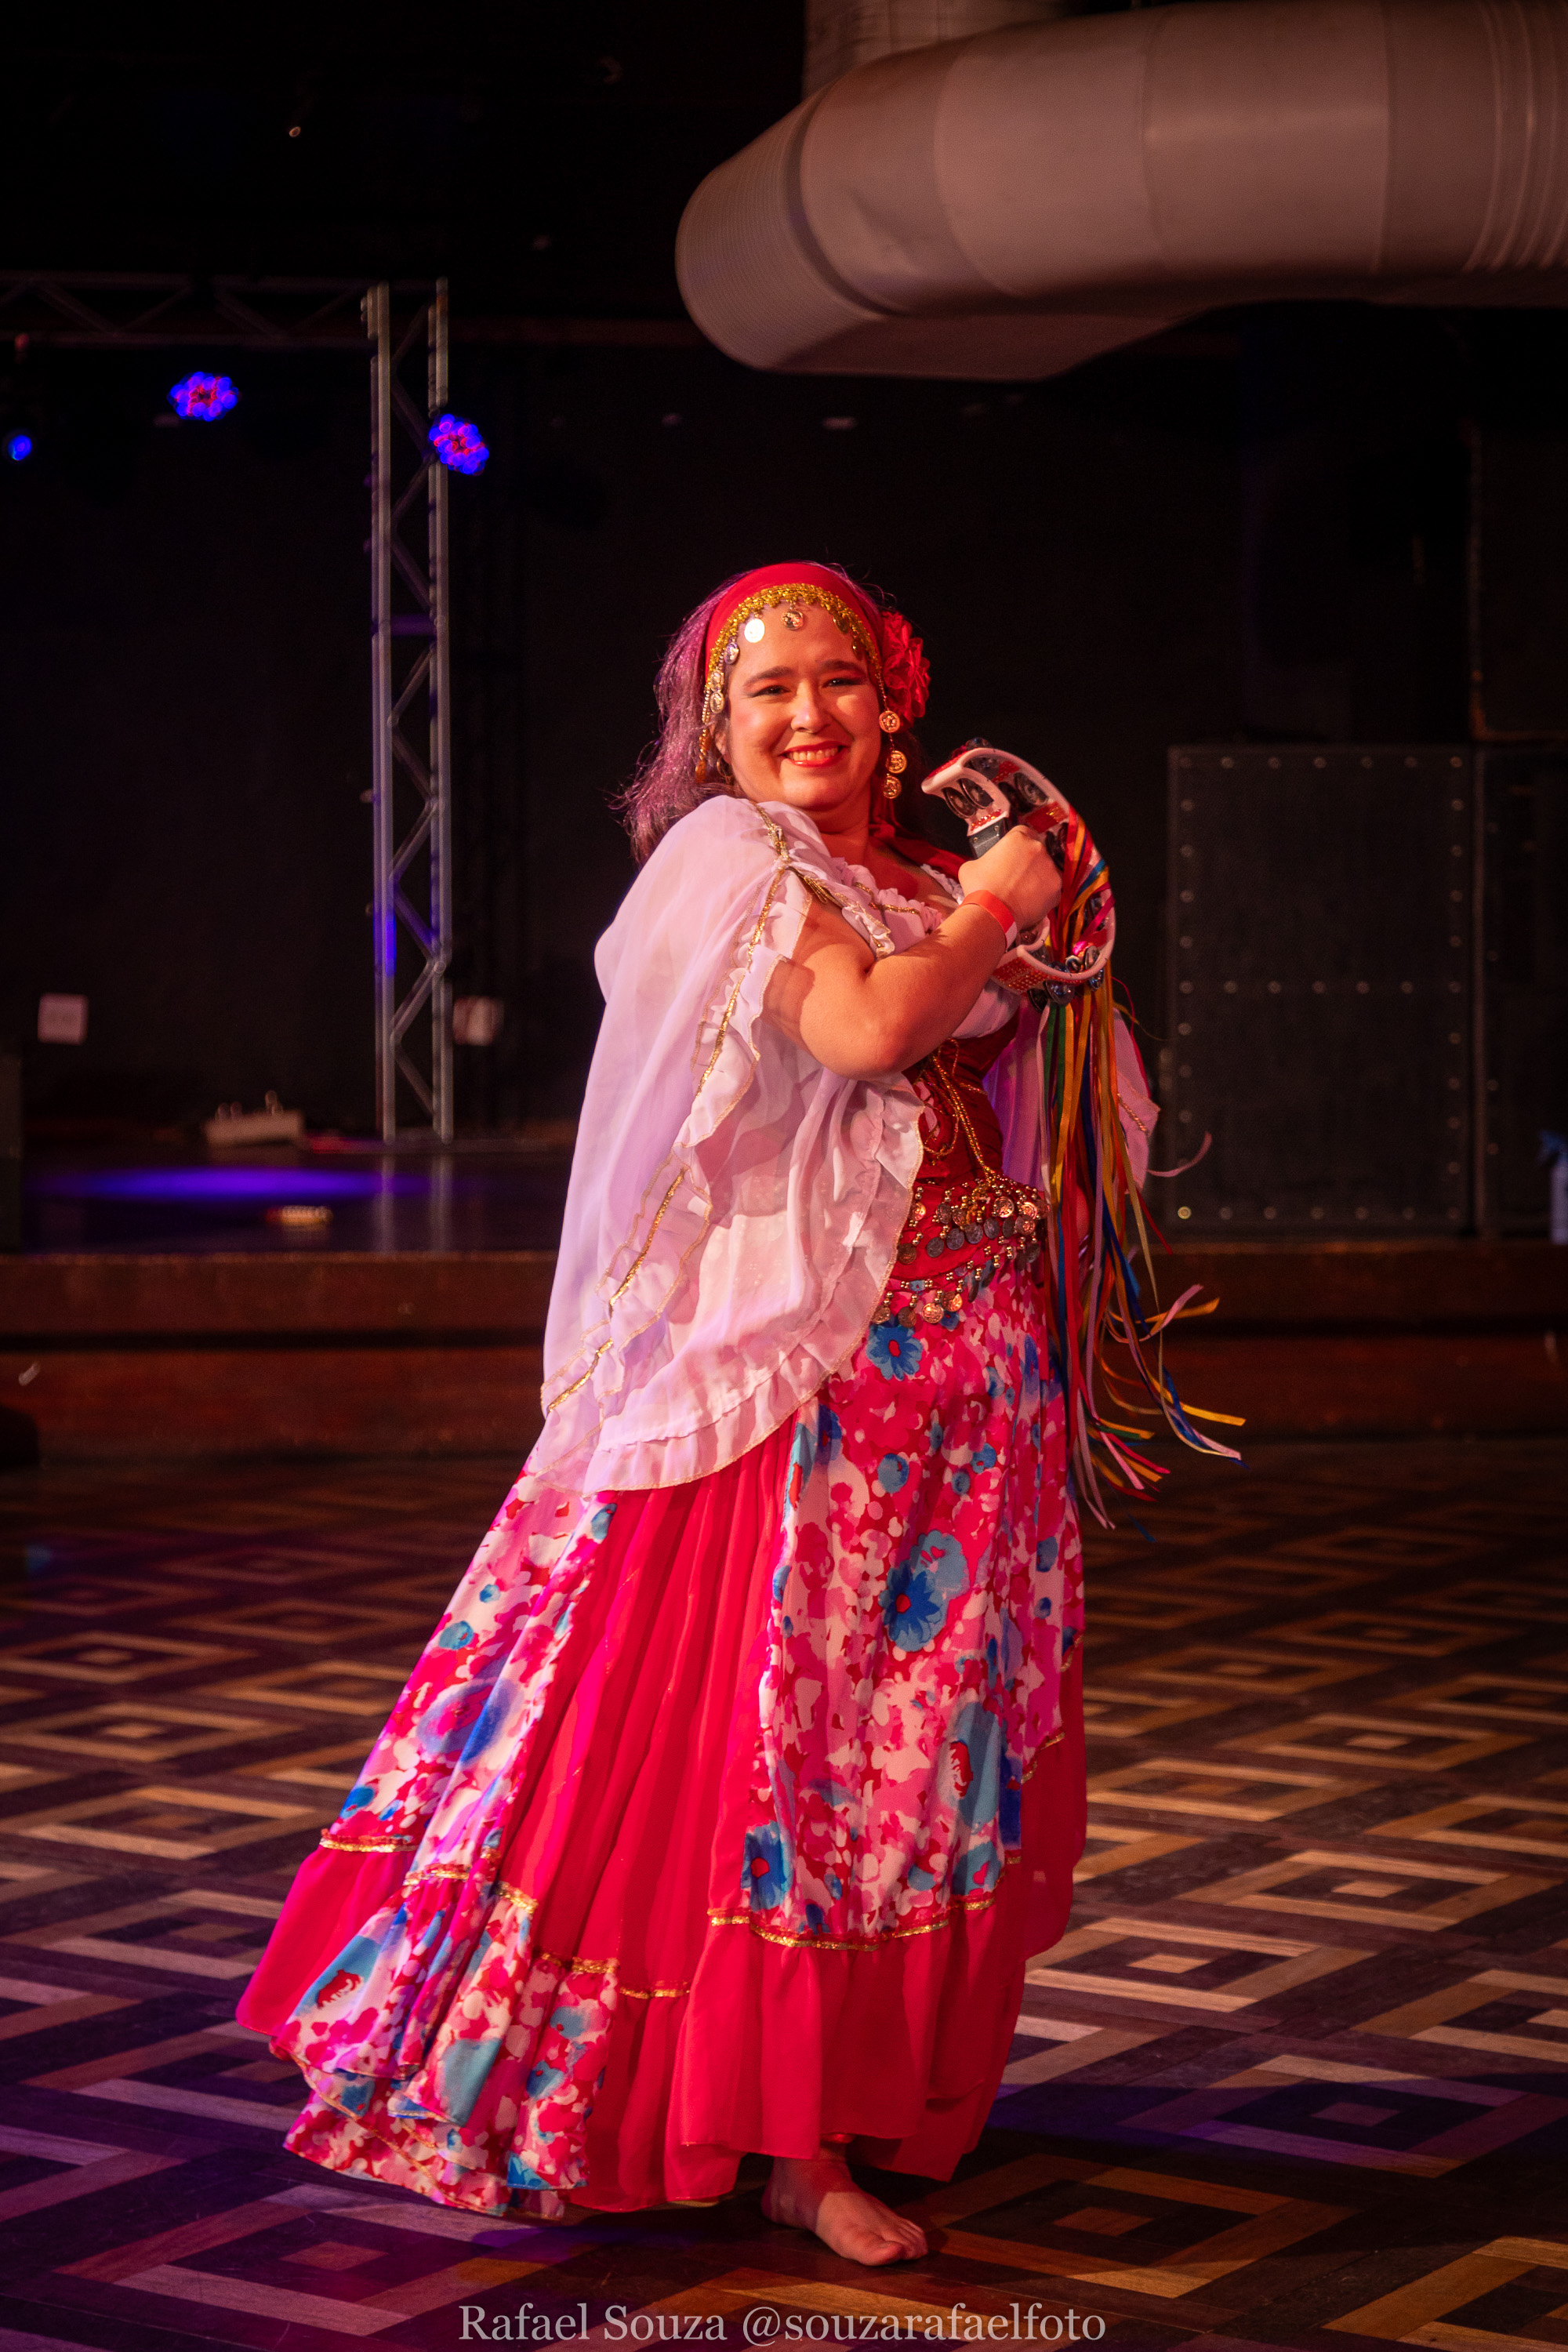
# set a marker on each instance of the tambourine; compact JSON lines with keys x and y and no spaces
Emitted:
{"x":1084,"y":1056}
{"x":991,"y":790}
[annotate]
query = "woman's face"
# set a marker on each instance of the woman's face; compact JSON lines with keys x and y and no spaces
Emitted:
{"x":802,"y":725}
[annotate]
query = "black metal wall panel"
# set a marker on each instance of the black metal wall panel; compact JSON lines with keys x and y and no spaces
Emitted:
{"x":1519,"y":588}
{"x":1524,"y":1014}
{"x":1318,"y":989}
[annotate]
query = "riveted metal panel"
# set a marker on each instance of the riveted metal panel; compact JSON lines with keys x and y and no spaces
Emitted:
{"x":1319,"y":967}
{"x":1524,"y":1024}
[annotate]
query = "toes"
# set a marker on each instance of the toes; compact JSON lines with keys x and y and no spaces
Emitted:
{"x":876,"y":2250}
{"x":882,"y":2246}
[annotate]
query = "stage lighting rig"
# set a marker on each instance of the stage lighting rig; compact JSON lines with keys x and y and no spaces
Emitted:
{"x":203,"y":397}
{"x":457,"y":445}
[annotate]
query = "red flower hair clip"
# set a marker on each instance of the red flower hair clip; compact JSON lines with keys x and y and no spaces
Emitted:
{"x":906,"y":674}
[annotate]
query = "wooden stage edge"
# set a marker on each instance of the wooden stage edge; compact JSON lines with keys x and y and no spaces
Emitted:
{"x":144,"y":1357}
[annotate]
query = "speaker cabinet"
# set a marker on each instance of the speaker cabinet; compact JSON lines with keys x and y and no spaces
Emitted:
{"x":1524,"y":993}
{"x":1320,"y":979}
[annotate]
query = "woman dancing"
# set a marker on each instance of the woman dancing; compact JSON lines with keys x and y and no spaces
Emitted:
{"x":742,"y":1776}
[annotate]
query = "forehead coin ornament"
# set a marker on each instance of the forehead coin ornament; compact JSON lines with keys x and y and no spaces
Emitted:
{"x":792,"y":619}
{"x":753,"y":629}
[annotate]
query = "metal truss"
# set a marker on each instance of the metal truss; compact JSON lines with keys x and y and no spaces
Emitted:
{"x":410,"y":715}
{"x":410,"y":648}
{"x":78,"y":309}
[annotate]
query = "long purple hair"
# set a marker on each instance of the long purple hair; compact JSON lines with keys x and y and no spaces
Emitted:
{"x":672,"y":778}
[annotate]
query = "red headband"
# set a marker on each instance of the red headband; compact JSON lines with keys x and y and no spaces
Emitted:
{"x":892,"y":651}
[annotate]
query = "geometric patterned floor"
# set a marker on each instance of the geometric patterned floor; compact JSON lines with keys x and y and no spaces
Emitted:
{"x":1295,"y":2076}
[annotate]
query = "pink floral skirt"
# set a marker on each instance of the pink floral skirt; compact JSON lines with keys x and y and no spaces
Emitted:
{"x":718,"y":1817}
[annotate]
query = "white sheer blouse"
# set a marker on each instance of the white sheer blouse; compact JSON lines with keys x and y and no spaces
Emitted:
{"x":733,"y":1207}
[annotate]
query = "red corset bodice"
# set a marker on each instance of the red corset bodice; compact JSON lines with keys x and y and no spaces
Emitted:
{"x":966,"y":1220}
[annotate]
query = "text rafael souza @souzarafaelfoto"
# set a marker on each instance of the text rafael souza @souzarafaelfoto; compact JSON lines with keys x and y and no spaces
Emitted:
{"x":763,"y":2322}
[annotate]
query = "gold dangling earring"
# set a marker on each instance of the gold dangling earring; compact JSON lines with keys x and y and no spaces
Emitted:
{"x":712,"y":765}
{"x":889,"y":723}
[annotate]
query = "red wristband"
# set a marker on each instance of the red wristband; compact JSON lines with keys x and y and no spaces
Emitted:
{"x":997,"y":908}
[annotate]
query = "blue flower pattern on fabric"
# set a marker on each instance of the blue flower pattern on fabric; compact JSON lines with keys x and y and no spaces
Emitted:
{"x":502,"y":1703}
{"x":342,"y":1977}
{"x":913,"y":1611}
{"x":916,"y":1597}
{"x":1046,"y":1562}
{"x":976,"y":1869}
{"x":764,"y":1873}
{"x":445,"y":1724}
{"x":463,"y":2072}
{"x":802,"y":1451}
{"x":896,"y":1352}
{"x":972,"y":1765}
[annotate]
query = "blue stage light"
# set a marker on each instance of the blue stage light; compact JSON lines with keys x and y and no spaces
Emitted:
{"x":203,"y":396}
{"x":17,"y":446}
{"x":457,"y":445}
{"x":265,"y":1185}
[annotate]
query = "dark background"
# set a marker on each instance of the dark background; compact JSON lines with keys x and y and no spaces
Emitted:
{"x":1253,"y":529}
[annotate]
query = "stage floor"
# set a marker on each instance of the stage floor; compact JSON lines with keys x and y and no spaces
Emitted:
{"x":1294,"y":2077}
{"x":379,"y":1204}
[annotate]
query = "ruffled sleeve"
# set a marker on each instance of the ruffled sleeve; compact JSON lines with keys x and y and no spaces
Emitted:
{"x":734,"y":1207}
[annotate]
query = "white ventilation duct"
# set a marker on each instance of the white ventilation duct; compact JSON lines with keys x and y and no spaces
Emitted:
{"x":842,"y":33}
{"x":1008,"y":204}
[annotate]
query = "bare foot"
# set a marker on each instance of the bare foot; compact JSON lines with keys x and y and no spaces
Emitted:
{"x":816,"y":2193}
{"x":540,"y":2205}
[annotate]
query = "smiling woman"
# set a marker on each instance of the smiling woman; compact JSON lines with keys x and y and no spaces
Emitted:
{"x":743,"y":1772}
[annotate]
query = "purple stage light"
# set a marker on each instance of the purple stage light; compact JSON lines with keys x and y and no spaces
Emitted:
{"x":457,"y":445}
{"x":224,"y":1185}
{"x":203,"y":396}
{"x":17,"y":446}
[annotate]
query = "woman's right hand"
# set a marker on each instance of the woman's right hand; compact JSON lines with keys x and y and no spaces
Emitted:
{"x":864,"y":1017}
{"x":1021,"y":872}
